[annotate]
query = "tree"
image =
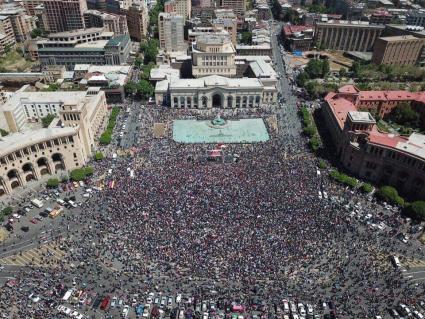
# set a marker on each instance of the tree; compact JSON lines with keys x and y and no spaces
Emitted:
{"x":130,"y":88}
{"x":6,"y":211}
{"x":98,"y":156}
{"x":366,"y":188}
{"x":389,"y":194}
{"x":302,"y":78}
{"x":325,"y":68}
{"x":37,"y":32}
{"x":3,"y":132}
{"x":145,"y":89}
{"x":88,"y":170}
{"x":404,"y":114}
{"x":342,"y":72}
{"x":314,"y":68}
{"x":47,"y":120}
{"x":415,"y":210}
{"x":52,"y":182}
{"x":322,"y":164}
{"x":150,"y":50}
{"x":246,"y":37}
{"x":78,"y":174}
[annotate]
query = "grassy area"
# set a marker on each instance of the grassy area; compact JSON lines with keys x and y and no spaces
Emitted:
{"x":14,"y":62}
{"x":382,"y":126}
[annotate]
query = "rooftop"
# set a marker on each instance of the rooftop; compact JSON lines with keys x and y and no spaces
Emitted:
{"x":361,"y":117}
{"x":19,"y":140}
{"x":398,"y":38}
{"x":215,"y":80}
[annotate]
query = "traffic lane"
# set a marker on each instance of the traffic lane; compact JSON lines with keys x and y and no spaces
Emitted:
{"x":415,"y":274}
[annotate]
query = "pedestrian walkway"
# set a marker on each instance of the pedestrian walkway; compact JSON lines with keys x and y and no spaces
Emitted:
{"x":414,"y":263}
{"x":43,"y":256}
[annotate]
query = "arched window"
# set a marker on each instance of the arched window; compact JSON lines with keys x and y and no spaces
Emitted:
{"x":182,"y":101}
{"x":176,"y":101}
{"x":244,"y":101}
{"x":189,"y":101}
{"x":204,"y":101}
{"x":238,"y":101}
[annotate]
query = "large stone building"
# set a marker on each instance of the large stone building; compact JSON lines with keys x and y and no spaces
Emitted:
{"x":68,"y":143}
{"x":89,"y":46}
{"x":170,"y":29}
{"x":65,"y":15}
{"x":364,"y":150}
{"x":110,"y":22}
{"x":257,"y":85}
{"x":347,"y":35}
{"x":137,"y":21}
{"x":398,"y":50}
{"x":213,"y":55}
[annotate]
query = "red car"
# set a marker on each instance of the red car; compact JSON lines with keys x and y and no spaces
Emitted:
{"x":105,"y":303}
{"x":34,"y":221}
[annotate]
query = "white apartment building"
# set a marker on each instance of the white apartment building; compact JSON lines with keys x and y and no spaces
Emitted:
{"x":171,"y":37}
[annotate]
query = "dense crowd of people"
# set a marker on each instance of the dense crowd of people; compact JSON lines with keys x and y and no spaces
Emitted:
{"x":250,"y":228}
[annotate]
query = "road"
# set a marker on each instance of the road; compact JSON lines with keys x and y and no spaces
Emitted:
{"x":287,"y":114}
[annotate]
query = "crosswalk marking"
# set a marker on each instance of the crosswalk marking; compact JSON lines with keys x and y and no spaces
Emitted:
{"x":34,"y":256}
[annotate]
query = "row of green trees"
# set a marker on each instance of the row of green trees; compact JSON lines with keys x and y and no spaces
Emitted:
{"x":414,"y":210}
{"x":106,"y":136}
{"x":80,"y":174}
{"x":143,"y":89}
{"x":309,"y":128}
{"x":369,"y":72}
{"x":343,"y":178}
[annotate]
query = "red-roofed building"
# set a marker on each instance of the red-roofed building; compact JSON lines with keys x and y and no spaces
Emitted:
{"x":381,"y":16}
{"x":298,"y":37}
{"x":384,"y":158}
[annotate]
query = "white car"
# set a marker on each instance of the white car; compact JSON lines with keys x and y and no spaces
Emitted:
{"x":125,"y":311}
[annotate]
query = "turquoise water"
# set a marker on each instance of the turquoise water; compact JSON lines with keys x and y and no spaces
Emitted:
{"x":234,"y":131}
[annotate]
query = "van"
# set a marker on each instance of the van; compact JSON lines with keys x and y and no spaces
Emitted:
{"x":73,"y":204}
{"x":60,"y":202}
{"x":396,"y":261}
{"x":285,"y":306}
{"x":37,"y":203}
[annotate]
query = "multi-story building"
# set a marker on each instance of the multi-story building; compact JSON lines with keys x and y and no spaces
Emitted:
{"x":238,"y":6}
{"x":401,"y":30}
{"x":416,"y":17}
{"x":170,"y":6}
{"x":109,"y":78}
{"x":65,"y":15}
{"x":380,"y":17}
{"x":88,"y":46}
{"x":170,"y":27}
{"x":137,"y":21}
{"x":347,"y":35}
{"x":184,"y":8}
{"x":398,"y":50}
{"x":364,"y":150}
{"x":213,"y":55}
{"x":197,"y":31}
{"x":31,"y":6}
{"x":298,"y":37}
{"x":110,"y":22}
{"x":68,"y":143}
{"x":7,"y":37}
{"x":22,"y":23}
